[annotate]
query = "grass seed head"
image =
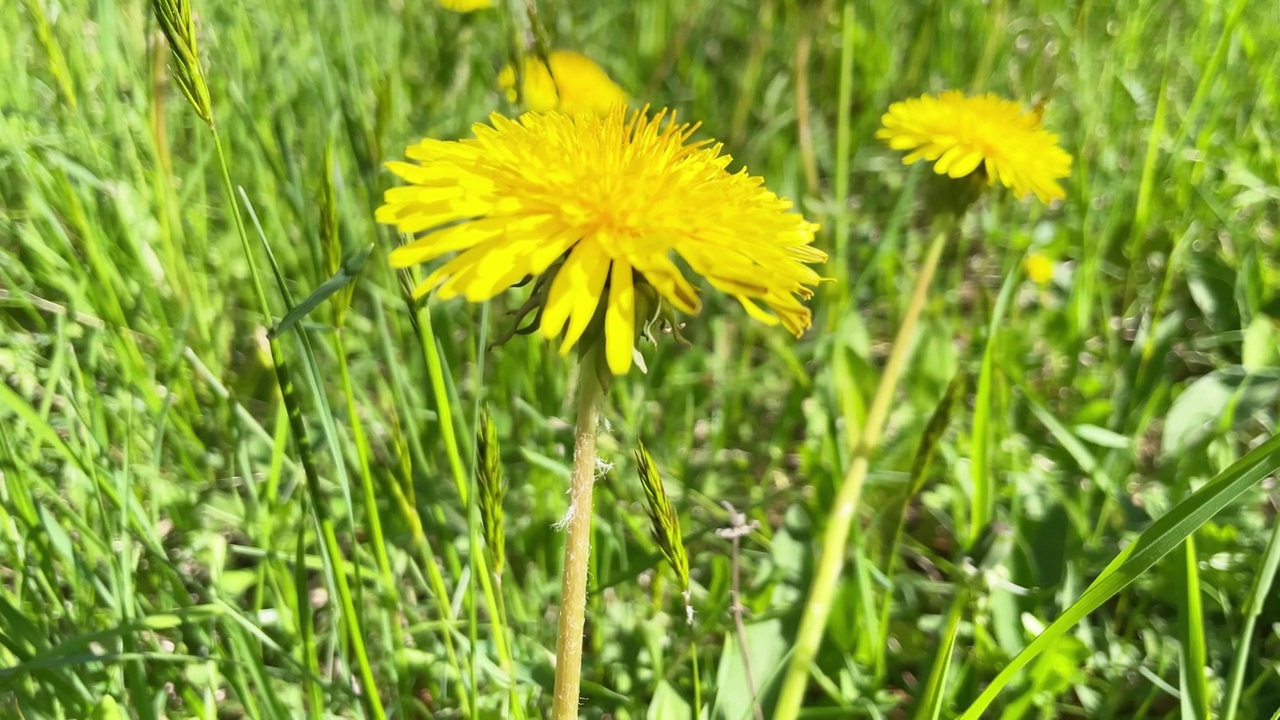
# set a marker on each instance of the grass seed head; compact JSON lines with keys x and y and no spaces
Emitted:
{"x":57,"y":61}
{"x":175,"y":21}
{"x":331,"y":236}
{"x":665,"y":521}
{"x":493,"y":488}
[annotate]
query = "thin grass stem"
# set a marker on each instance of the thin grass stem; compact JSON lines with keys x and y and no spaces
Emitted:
{"x":439,"y":593}
{"x":444,"y":410}
{"x":841,"y":226}
{"x":697,"y":681}
{"x":1258,"y":595}
{"x":299,"y":432}
{"x":366,"y":467}
{"x":930,"y":707}
{"x":831,"y":560}
{"x":502,"y":641}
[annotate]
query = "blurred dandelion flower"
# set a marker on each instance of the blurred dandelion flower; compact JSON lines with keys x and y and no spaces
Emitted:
{"x":961,"y":135}
{"x":465,"y":6}
{"x":580,"y":85}
{"x":1039,"y":268}
{"x":599,"y":203}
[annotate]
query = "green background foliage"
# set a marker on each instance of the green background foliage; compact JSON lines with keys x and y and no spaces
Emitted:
{"x":162,"y":555}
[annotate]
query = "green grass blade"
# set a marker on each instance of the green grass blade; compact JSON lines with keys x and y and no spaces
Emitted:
{"x":1263,"y":581}
{"x":1195,"y":683}
{"x":982,"y":501}
{"x":327,"y":528}
{"x":346,"y":275}
{"x":937,"y":427}
{"x":844,"y":151}
{"x":935,"y":691}
{"x":444,"y":410}
{"x":1210,"y":73}
{"x":1154,"y":543}
{"x":315,"y":696}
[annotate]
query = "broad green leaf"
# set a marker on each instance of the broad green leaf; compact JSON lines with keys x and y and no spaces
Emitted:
{"x":1261,"y":347}
{"x":1102,"y":437}
{"x":668,"y":705}
{"x":1212,"y":402}
{"x":106,"y":709}
{"x":767,"y":647}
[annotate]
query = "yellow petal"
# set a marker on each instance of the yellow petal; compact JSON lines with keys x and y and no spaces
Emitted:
{"x":959,"y":161}
{"x":754,"y":311}
{"x":726,"y":270}
{"x":415,"y":208}
{"x":507,"y":77}
{"x":794,"y":315}
{"x":583,"y":85}
{"x":574,"y":293}
{"x":432,"y":150}
{"x":465,"y":6}
{"x":620,"y":319}
{"x":408,"y":194}
{"x":666,"y":278}
{"x":439,"y":174}
{"x":450,"y":239}
{"x":446,"y":276}
{"x":501,"y":270}
{"x":588,"y":299}
{"x":540,"y":93}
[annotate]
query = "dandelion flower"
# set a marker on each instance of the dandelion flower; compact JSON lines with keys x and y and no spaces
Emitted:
{"x":961,"y":135}
{"x":580,"y":85}
{"x":1039,"y":268}
{"x":602,"y":205}
{"x":465,"y":6}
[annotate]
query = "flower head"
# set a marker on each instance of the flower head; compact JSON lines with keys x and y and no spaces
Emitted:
{"x":1039,"y":268}
{"x":465,"y":6}
{"x":962,"y":134}
{"x":580,"y":85}
{"x":600,"y":204}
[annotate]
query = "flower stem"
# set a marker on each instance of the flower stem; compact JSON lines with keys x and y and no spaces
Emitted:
{"x":831,"y":560}
{"x":577,"y":546}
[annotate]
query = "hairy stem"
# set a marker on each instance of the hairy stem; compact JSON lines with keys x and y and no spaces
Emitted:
{"x":831,"y":559}
{"x":577,"y":547}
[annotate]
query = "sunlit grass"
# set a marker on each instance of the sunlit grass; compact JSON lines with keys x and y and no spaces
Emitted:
{"x":159,"y":543}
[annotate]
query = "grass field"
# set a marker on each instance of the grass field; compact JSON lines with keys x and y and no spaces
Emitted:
{"x":169,"y":549}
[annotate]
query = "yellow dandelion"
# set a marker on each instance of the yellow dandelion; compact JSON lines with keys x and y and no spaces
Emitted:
{"x":580,"y":85}
{"x":962,"y":134}
{"x":600,"y":203}
{"x":1039,"y":268}
{"x":465,"y":6}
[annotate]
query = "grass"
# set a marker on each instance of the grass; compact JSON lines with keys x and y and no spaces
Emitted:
{"x":165,"y":553}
